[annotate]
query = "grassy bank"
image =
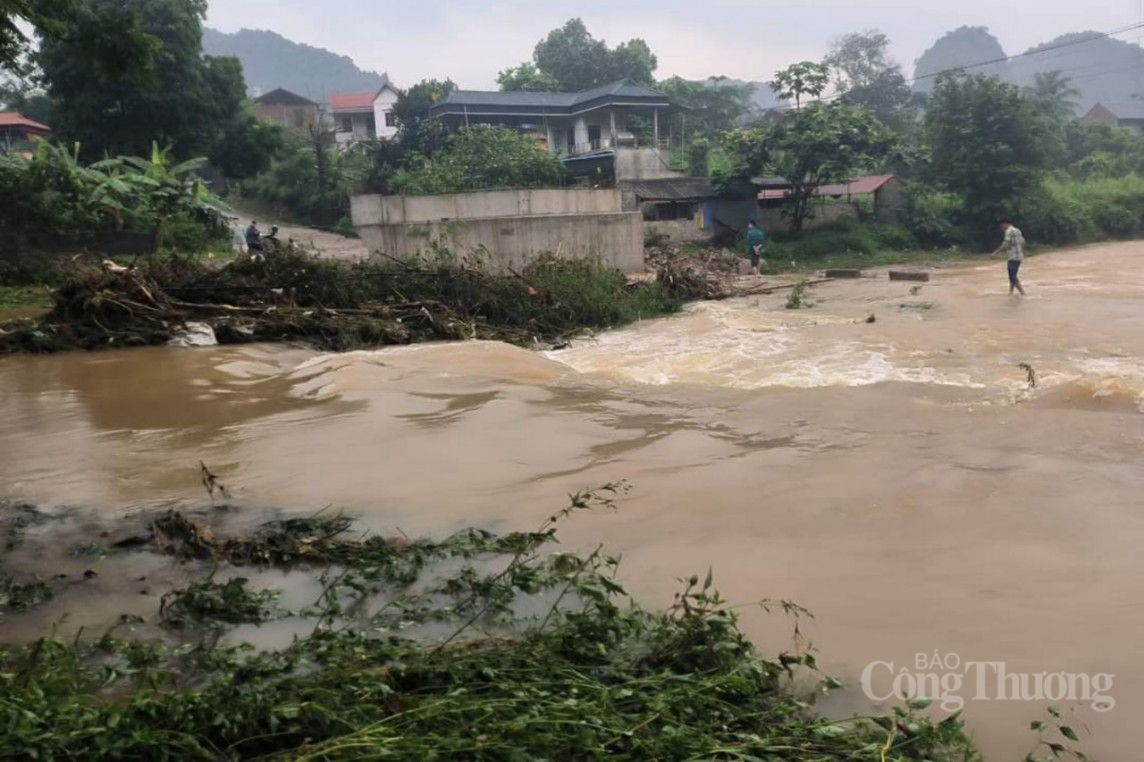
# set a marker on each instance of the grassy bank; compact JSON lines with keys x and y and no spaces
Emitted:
{"x":777,"y":263}
{"x":479,"y":646}
{"x":849,"y":244}
{"x":334,"y":305}
{"x":852,"y":245}
{"x":24,"y":302}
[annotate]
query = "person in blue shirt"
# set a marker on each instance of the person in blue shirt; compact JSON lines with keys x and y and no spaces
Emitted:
{"x":755,"y":241}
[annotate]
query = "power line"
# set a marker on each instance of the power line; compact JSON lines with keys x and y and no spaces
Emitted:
{"x":1058,"y":46}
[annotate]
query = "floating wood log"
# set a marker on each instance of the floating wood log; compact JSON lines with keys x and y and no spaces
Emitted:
{"x":773,"y":289}
{"x":843,"y":273}
{"x":904,"y":275}
{"x":763,"y":289}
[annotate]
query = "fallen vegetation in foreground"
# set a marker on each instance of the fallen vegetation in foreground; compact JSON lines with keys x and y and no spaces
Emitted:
{"x":535,"y":656}
{"x":294,"y":295}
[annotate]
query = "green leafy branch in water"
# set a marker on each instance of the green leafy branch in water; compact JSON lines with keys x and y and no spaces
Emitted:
{"x":1030,"y":374}
{"x":796,"y":299}
{"x":1050,"y":737}
{"x":208,"y":602}
{"x":546,"y":657}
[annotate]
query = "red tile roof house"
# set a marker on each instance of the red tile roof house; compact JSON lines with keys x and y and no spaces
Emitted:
{"x":364,"y":116}
{"x":1129,"y":115}
{"x":886,"y":191}
{"x":18,"y":133}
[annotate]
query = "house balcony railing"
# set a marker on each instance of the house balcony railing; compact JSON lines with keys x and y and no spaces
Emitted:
{"x":663,"y":144}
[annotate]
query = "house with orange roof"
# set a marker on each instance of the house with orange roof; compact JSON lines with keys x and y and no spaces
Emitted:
{"x":18,"y":133}
{"x":365,"y":116}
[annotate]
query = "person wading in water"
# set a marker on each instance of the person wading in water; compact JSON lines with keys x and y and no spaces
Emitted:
{"x":1014,"y":245}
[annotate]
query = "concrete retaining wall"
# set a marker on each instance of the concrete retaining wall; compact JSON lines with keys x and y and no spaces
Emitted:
{"x":616,"y":238}
{"x":399,"y":210}
{"x":644,"y":164}
{"x":676,"y":231}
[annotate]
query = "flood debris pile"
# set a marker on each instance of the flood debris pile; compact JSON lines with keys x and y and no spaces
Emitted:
{"x":294,"y":295}
{"x":544,"y":657}
{"x":689,"y":274}
{"x":694,"y":274}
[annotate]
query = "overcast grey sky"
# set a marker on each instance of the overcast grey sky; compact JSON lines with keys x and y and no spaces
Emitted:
{"x":471,"y":40}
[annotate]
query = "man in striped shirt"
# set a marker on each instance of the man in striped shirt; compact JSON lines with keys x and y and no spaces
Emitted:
{"x":1014,"y":245}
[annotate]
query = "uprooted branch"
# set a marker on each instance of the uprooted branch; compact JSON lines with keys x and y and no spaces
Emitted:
{"x":293,"y":295}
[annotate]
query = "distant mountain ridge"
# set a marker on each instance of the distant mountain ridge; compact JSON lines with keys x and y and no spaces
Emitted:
{"x":1101,"y":68}
{"x":270,"y":61}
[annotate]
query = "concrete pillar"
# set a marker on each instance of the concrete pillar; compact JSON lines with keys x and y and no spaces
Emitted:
{"x":655,"y":122}
{"x":612,"y":117}
{"x":581,"y":134}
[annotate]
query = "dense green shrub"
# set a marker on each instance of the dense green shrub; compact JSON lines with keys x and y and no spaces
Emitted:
{"x":929,"y":215}
{"x":1054,"y":218}
{"x":52,"y":197}
{"x":1066,"y":211}
{"x":479,"y":157}
{"x":842,"y":237}
{"x":893,"y":238}
{"x":305,"y":182}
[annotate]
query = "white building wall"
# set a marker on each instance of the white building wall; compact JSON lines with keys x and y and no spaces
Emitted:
{"x":382,"y":108}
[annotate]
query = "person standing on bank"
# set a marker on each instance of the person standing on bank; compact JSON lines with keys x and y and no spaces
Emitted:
{"x":1014,"y":245}
{"x":755,"y":241}
{"x":253,"y":237}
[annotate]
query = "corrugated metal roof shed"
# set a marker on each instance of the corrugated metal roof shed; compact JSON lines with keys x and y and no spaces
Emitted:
{"x":859,"y":186}
{"x":670,"y":189}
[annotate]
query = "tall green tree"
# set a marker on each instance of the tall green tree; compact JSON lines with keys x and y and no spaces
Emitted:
{"x":527,"y":78}
{"x":1054,"y":94}
{"x":417,"y":131}
{"x":865,"y":76}
{"x":889,"y":98}
{"x":182,"y":100}
{"x":24,"y":96}
{"x":114,"y":41}
{"x":859,"y":59}
{"x":713,"y":107}
{"x":570,"y":59}
{"x":806,"y":79}
{"x":987,"y":143}
{"x":819,"y":144}
{"x":632,"y":60}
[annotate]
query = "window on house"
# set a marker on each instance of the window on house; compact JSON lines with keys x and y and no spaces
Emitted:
{"x":346,"y":124}
{"x":390,"y":119}
{"x":298,"y":117}
{"x":371,"y":126}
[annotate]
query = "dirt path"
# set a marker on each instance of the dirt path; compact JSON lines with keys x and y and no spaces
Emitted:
{"x":330,"y":245}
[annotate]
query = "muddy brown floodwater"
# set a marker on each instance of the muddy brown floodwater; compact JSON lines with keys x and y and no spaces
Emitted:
{"x":899,"y":478}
